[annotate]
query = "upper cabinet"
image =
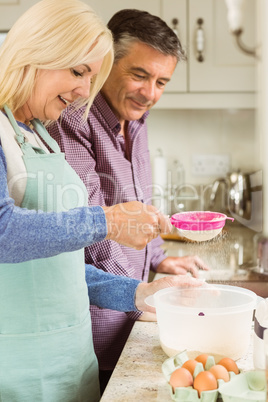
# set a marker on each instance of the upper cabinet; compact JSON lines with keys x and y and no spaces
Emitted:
{"x":175,"y":13}
{"x":218,"y":76}
{"x":224,"y":67}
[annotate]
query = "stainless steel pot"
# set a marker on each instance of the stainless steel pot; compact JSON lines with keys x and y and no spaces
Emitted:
{"x":242,"y":196}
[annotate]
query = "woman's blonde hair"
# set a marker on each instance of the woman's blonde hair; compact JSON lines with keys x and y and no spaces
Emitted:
{"x":53,"y":34}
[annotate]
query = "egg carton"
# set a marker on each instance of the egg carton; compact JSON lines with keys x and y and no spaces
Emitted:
{"x":245,"y":387}
{"x":189,"y":394}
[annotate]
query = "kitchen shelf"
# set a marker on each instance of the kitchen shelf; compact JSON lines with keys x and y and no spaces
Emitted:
{"x":207,"y":101}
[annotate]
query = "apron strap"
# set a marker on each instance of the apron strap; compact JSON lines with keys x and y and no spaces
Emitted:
{"x":42,"y":131}
{"x":26,"y":147}
{"x":19,"y":136}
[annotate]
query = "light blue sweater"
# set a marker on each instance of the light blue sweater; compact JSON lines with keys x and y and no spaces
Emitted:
{"x":22,"y":240}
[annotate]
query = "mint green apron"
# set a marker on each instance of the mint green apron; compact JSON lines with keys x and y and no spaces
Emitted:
{"x":46,"y":348}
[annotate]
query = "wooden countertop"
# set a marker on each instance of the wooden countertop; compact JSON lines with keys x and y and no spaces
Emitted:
{"x":138,"y":376}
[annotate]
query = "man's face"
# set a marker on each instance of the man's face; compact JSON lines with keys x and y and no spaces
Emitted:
{"x":137,"y":81}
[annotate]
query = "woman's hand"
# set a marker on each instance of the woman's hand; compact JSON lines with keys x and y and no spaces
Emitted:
{"x":134,"y":224}
{"x":148,"y":317}
{"x":147,"y":289}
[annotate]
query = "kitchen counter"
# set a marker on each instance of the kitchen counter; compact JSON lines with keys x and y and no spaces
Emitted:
{"x":230,"y":256}
{"x":138,"y":376}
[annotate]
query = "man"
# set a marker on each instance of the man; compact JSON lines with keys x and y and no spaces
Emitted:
{"x":110,"y":153}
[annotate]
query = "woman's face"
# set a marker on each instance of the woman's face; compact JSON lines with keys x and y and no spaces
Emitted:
{"x":54,"y":90}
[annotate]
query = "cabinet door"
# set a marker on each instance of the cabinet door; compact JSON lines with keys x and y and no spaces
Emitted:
{"x":225,"y":68}
{"x":177,"y":10}
{"x":106,"y":9}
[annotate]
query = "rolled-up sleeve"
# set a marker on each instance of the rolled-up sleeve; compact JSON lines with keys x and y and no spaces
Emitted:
{"x":110,"y":291}
{"x":158,"y":254}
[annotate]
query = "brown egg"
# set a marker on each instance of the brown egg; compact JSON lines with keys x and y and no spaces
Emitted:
{"x":229,"y":364}
{"x":205,"y":381}
{"x":190,"y":365}
{"x":220,"y":372}
{"x":202,"y":359}
{"x":181,"y":377}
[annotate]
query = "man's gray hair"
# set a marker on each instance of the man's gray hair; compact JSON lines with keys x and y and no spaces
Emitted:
{"x":130,"y":25}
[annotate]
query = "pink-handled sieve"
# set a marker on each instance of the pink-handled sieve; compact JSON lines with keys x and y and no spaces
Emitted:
{"x":199,"y":225}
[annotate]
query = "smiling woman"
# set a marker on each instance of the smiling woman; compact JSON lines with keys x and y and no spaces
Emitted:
{"x":26,"y":51}
{"x":58,"y":52}
{"x":47,"y":60}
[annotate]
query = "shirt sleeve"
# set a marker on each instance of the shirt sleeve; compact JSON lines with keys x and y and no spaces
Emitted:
{"x":110,"y":291}
{"x":158,"y":254}
{"x":21,"y":237}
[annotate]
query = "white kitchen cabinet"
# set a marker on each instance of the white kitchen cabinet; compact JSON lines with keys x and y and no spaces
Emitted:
{"x":225,"y":68}
{"x":177,"y":10}
{"x":226,"y":78}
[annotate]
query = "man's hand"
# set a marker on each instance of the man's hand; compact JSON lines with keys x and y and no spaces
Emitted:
{"x":147,"y":289}
{"x":182,"y":265}
{"x":134,"y":224}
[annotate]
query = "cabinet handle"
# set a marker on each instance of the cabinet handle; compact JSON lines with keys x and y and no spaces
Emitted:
{"x":200,"y":40}
{"x":175,"y":23}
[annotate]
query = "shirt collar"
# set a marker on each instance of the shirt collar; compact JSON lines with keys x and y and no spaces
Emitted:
{"x":110,"y":117}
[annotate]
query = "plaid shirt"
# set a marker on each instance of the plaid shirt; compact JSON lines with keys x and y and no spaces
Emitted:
{"x":96,"y":150}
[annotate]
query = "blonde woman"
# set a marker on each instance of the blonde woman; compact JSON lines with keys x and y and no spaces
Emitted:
{"x":57,"y":53}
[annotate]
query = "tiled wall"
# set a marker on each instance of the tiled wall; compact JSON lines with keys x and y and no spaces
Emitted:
{"x":182,"y":133}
